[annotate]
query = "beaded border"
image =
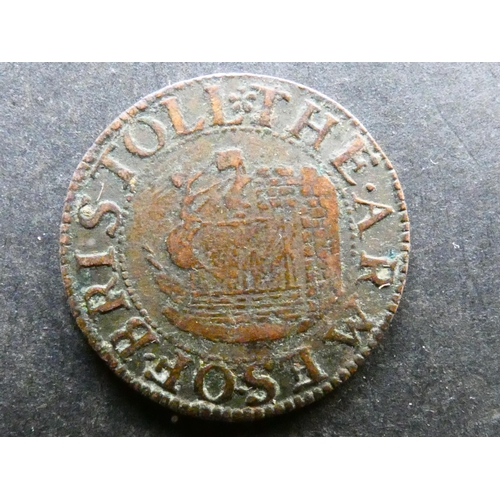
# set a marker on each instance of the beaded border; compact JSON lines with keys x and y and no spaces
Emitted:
{"x":204,"y":409}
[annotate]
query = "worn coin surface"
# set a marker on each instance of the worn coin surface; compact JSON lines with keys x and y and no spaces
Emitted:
{"x":233,"y":246}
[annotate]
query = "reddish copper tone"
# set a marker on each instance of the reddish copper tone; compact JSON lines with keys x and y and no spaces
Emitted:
{"x":234,"y":245}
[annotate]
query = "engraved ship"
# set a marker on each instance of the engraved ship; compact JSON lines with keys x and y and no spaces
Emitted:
{"x":259,"y":252}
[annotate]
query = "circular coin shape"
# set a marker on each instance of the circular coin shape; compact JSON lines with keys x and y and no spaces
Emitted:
{"x":233,"y":246}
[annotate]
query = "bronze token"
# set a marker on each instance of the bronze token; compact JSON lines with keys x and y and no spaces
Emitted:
{"x":233,"y":246}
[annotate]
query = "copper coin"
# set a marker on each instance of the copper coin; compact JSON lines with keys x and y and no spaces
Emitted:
{"x":233,"y":246}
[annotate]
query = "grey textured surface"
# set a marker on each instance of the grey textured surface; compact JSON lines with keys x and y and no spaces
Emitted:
{"x":437,"y":371}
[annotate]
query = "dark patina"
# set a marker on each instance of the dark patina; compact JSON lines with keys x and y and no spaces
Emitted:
{"x":234,"y":246}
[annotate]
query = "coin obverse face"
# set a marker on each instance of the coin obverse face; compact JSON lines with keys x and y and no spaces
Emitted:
{"x":233,"y":246}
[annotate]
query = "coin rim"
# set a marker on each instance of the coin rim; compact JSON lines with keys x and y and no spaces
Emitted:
{"x":204,"y":409}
